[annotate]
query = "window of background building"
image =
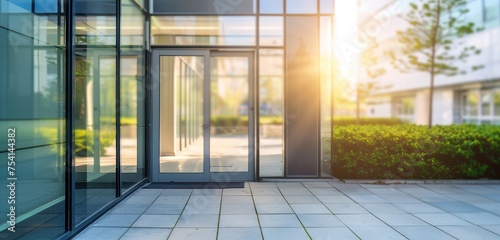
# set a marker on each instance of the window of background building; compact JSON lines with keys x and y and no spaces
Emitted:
{"x":405,"y":109}
{"x":481,"y":107}
{"x":271,"y":6}
{"x":491,"y":13}
{"x":301,"y":6}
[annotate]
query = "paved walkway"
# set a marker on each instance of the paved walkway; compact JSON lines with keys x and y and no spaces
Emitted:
{"x":306,"y":210}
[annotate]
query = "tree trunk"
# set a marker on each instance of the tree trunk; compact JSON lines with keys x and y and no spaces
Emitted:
{"x":357,"y":104}
{"x":433,"y":59}
{"x":431,"y":96}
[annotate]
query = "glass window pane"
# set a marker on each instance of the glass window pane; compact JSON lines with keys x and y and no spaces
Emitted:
{"x":497,"y":103}
{"x":491,"y":13}
{"x":271,"y":31}
{"x":471,"y":104}
{"x":203,"y":30}
{"x":218,"y":7}
{"x":271,"y":112}
{"x":475,"y":13}
{"x":95,"y":130}
{"x":271,"y":6}
{"x":32,"y":106}
{"x":326,"y":92}
{"x":46,"y":6}
{"x":302,"y":92}
{"x":132,"y":95}
{"x":327,"y":6}
{"x":486,"y":104}
{"x":181,"y":111}
{"x":95,"y":30}
{"x":301,"y":6}
{"x":229,"y":113}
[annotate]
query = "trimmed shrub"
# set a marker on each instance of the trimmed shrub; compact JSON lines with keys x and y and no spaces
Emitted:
{"x":345,"y":121}
{"x":416,"y":152}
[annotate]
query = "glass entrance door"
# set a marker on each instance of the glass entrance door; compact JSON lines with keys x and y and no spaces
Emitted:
{"x":202,"y":116}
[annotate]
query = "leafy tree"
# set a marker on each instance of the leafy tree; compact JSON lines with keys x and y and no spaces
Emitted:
{"x":431,"y":42}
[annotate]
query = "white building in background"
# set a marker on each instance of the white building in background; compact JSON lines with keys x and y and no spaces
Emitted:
{"x":470,"y":98}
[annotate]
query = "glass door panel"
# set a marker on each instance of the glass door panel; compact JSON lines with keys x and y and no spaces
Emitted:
{"x":181,"y":114}
{"x":202,"y":118}
{"x":229,"y":114}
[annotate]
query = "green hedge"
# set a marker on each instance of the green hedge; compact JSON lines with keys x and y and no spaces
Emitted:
{"x":345,"y":121}
{"x":416,"y":152}
{"x":337,"y":121}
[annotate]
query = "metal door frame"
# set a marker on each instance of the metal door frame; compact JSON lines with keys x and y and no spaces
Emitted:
{"x":154,"y":88}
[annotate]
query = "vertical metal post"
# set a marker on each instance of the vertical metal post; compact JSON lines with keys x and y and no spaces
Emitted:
{"x":70,"y":66}
{"x":118,"y":97}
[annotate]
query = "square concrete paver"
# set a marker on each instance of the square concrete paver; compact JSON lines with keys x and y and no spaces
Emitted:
{"x":319,"y":220}
{"x":300,"y":208}
{"x":279,"y":220}
{"x":343,"y":208}
{"x":380,"y":232}
{"x":156,"y":209}
{"x":146,"y":233}
{"x":273,"y":208}
{"x":360,"y":220}
{"x":239,"y":233}
{"x":423,"y":232}
{"x":130,"y":208}
{"x":156,"y":221}
{"x":239,"y":221}
{"x":398,"y":219}
{"x":304,"y":210}
{"x":238,"y":209}
{"x":202,"y":209}
{"x":442,"y":219}
{"x":382,"y":208}
{"x":469,"y":232}
{"x":101,"y":233}
{"x":116,"y":220}
{"x":331,"y":233}
{"x":180,"y":233}
{"x":198,"y":220}
{"x":285,"y":233}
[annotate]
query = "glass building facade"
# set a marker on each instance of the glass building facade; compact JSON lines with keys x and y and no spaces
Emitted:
{"x":98,"y":98}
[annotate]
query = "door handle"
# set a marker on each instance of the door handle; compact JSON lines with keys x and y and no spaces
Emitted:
{"x":204,"y":126}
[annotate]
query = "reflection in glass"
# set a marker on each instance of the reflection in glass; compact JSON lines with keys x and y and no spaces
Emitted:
{"x":95,"y":130}
{"x":271,"y":6}
{"x":32,"y":100}
{"x":302,"y":92}
{"x":95,"y":30}
{"x":301,"y":6}
{"x":326,"y":92}
{"x":229,"y":111}
{"x":132,"y":95}
{"x":271,"y":31}
{"x":203,"y":30}
{"x":271,"y":112}
{"x":181,"y":114}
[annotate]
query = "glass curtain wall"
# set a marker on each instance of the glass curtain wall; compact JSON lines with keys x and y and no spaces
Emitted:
{"x":132,"y":94}
{"x":33,"y":81}
{"x":95,"y":91}
{"x":32,"y":119}
{"x":309,"y":27}
{"x":109,"y":102}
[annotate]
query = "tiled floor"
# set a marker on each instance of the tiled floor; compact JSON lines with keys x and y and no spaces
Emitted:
{"x":306,"y":210}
